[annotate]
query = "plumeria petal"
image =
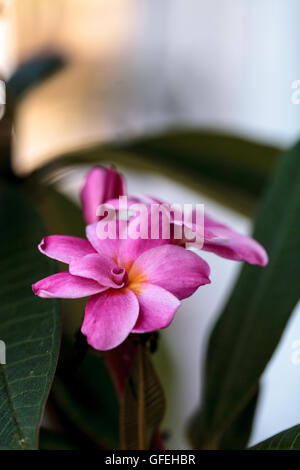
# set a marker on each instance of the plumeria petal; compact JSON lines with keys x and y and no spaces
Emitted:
{"x":172,"y":267}
{"x":109,"y":318}
{"x":101,"y":268}
{"x":234,"y":246}
{"x":64,"y":285}
{"x":132,"y":249}
{"x":108,"y":246}
{"x":157,"y":308}
{"x":225,"y":242}
{"x":101,"y":184}
{"x":64,"y":248}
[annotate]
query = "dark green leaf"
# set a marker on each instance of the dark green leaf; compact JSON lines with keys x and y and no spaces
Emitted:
{"x":52,"y":440}
{"x":254,"y":319}
{"x":235,"y":161}
{"x":231,"y":169}
{"x":61,"y":215}
{"x":143,"y":406}
{"x":33,"y":72}
{"x":84,"y":394}
{"x":238,"y":433}
{"x":30,"y":327}
{"x":285,"y":440}
{"x":5,"y":146}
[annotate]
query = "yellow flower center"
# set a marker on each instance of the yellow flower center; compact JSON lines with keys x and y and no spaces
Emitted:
{"x":136,"y":278}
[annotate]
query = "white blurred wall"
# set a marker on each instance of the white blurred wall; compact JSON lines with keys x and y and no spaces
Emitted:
{"x":192,"y":62}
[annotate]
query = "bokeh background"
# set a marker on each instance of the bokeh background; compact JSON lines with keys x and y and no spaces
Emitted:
{"x":142,"y":66}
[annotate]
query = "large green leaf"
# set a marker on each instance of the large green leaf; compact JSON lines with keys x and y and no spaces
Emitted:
{"x":285,"y":440}
{"x":60,"y":214}
{"x":143,"y":405}
{"x":5,"y":146}
{"x":231,"y":169}
{"x":30,"y":327}
{"x":84,"y":396}
{"x":252,"y":323}
{"x":52,"y":440}
{"x":231,"y":160}
{"x":239,"y":431}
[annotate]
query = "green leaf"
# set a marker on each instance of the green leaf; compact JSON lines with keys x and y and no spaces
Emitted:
{"x":52,"y":440}
{"x":84,"y":395}
{"x":61,"y":215}
{"x":5,"y":146}
{"x":143,"y":406}
{"x":29,"y":326}
{"x":238,"y":433}
{"x":231,"y":160}
{"x":33,"y":72}
{"x":231,"y":169}
{"x":257,"y":312}
{"x":285,"y":440}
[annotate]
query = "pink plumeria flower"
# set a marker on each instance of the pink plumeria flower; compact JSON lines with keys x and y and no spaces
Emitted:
{"x":135,"y":286}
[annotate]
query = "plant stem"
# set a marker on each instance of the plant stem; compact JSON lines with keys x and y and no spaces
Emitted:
{"x":119,"y":362}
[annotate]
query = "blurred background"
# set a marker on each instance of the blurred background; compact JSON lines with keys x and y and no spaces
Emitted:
{"x":143,"y":66}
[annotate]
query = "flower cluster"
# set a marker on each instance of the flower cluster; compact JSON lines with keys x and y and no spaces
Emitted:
{"x":134,"y":285}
